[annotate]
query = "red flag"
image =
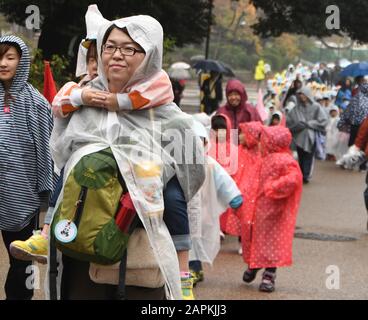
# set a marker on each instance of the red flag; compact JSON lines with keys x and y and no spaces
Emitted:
{"x":49,"y":86}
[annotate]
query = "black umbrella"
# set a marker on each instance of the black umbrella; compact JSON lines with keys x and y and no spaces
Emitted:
{"x":215,"y":66}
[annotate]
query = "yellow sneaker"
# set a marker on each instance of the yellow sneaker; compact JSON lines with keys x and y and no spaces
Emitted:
{"x":35,"y":248}
{"x":187,"y":288}
{"x":197,"y":276}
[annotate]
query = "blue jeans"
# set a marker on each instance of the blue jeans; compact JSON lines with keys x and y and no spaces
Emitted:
{"x":175,"y":213}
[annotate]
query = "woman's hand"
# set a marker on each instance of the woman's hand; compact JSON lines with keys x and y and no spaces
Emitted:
{"x":100,"y":99}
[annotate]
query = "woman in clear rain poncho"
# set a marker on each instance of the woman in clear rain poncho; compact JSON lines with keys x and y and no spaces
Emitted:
{"x":135,"y":136}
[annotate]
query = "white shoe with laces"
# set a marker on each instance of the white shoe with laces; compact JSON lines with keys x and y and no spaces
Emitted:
{"x":240,"y":251}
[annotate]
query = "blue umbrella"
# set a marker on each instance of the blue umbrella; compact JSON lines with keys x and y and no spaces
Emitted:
{"x":355,"y":70}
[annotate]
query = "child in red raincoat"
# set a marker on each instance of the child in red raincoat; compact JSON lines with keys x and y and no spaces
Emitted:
{"x":273,"y":215}
{"x":247,"y":177}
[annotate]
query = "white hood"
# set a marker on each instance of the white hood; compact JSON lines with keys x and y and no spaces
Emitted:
{"x":94,"y":20}
{"x":148,"y":33}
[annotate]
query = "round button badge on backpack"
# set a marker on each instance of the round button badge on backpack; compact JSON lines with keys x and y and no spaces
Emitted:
{"x":66,"y":231}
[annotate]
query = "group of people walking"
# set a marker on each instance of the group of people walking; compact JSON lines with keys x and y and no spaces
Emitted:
{"x":107,"y":160}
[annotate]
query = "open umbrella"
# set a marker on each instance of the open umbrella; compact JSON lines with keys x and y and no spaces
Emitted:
{"x":215,"y":66}
{"x":179,"y":74}
{"x":180,"y":65}
{"x":343,"y":63}
{"x":355,"y":70}
{"x":229,"y":72}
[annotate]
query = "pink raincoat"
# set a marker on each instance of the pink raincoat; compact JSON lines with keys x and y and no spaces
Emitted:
{"x":247,"y":177}
{"x":229,"y":222}
{"x":269,"y":242}
{"x":234,"y":222}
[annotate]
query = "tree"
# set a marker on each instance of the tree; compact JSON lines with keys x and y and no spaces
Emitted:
{"x":63,"y":24}
{"x":310,"y":17}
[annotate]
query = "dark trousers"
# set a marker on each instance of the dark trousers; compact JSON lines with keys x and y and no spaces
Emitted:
{"x":353,"y":134}
{"x":272,"y":270}
{"x":305,"y":162}
{"x":195,"y":265}
{"x":366,"y":193}
{"x":15,"y":285}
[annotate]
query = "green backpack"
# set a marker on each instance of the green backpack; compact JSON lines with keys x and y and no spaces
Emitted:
{"x":92,"y":198}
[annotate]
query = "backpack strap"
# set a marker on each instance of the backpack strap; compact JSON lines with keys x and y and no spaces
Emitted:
{"x":121,"y":294}
{"x":53,"y":269}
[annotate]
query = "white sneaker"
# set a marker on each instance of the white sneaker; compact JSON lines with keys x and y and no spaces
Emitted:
{"x":222,"y":236}
{"x":240,"y":251}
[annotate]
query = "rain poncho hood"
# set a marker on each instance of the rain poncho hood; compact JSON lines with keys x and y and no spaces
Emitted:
{"x":259,"y":73}
{"x":304,"y":120}
{"x":252,"y":132}
{"x":236,"y":85}
{"x":244,"y":112}
{"x":228,"y":125}
{"x":148,"y":33}
{"x":27,"y":159}
{"x":94,"y":20}
{"x":307,"y":92}
{"x":135,"y":138}
{"x":223,"y":151}
{"x":281,"y":117}
{"x":19,"y":82}
{"x":275,"y":139}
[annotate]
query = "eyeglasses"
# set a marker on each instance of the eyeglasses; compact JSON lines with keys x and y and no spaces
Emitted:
{"x":125,"y":51}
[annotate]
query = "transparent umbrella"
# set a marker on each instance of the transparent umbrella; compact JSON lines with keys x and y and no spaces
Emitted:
{"x":179,"y":74}
{"x":180,"y":65}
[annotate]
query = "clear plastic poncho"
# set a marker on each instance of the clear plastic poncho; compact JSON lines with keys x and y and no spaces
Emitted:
{"x":150,"y":146}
